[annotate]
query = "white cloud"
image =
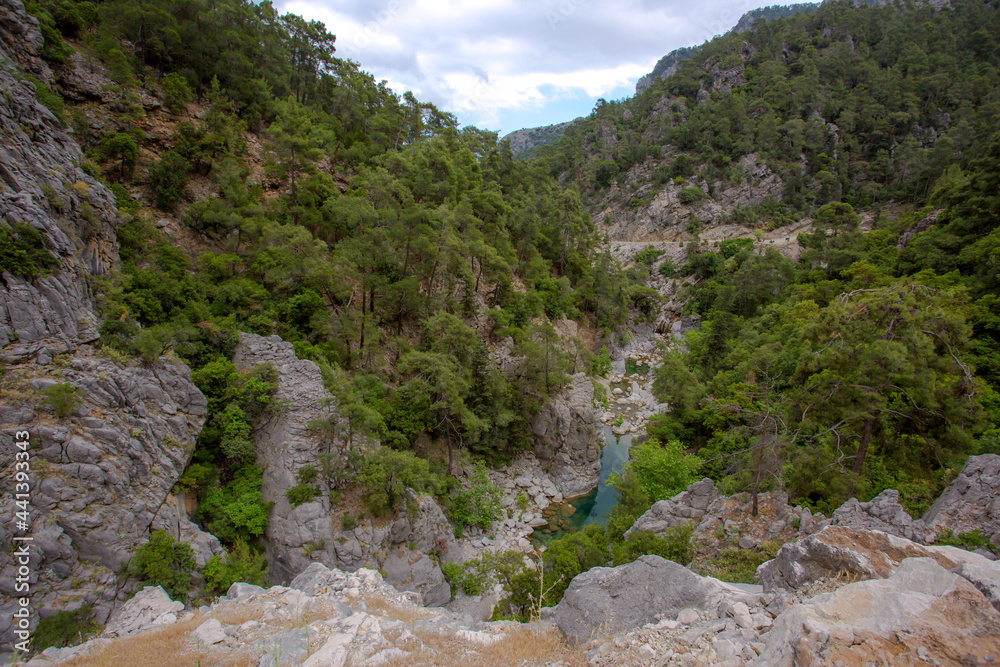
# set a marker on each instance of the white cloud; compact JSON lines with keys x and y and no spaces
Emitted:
{"x":482,"y":58}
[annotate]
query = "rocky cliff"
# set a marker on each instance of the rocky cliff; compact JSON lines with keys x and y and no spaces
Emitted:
{"x":111,"y":441}
{"x":285,"y":442}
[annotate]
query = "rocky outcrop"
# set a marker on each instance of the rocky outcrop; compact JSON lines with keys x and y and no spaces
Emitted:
{"x":859,"y":554}
{"x":328,"y":617}
{"x":567,"y":441}
{"x":922,"y":614}
{"x":971,"y":502}
{"x":722,"y":521}
{"x":608,"y":600}
{"x":665,"y":217}
{"x":44,"y":187}
{"x":99,"y":476}
{"x":883,"y":512}
{"x":285,"y":442}
{"x":151,"y":607}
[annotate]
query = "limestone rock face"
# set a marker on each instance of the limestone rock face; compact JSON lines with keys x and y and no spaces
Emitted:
{"x":44,"y":188}
{"x":608,"y":600}
{"x":972,"y":502}
{"x":99,"y":476}
{"x":150,"y":607}
{"x":922,"y":614}
{"x":883,"y":513}
{"x":567,"y":439}
{"x":285,"y":443}
{"x":864,"y":554}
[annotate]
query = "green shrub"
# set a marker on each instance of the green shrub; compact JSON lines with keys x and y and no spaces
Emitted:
{"x":648,"y":256}
{"x":241,"y":564}
{"x":739,"y":566}
{"x":23,"y":252}
{"x":301,"y":494}
{"x":308,"y":474}
{"x":121,"y":148}
{"x":480,"y":505}
{"x":63,"y":399}
{"x":348,"y":521}
{"x":163,"y":561}
{"x":237,"y":510}
{"x":667,"y":268}
{"x":176,"y":93}
{"x":675,"y":545}
{"x":969,"y":541}
{"x":168,"y":177}
{"x":64,"y":628}
{"x":690,"y":195}
{"x":386,"y":475}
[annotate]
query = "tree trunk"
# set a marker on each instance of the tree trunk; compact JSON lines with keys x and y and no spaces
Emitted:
{"x":866,"y":438}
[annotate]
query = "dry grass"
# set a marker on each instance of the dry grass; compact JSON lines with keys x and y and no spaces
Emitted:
{"x":168,"y":647}
{"x":522,"y":646}
{"x":381,"y":607}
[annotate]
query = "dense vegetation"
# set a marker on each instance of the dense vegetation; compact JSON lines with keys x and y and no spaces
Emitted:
{"x":400,"y":252}
{"x":871,"y":362}
{"x":391,"y":247}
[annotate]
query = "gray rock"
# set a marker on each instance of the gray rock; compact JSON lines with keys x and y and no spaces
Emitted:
{"x":142,"y":612}
{"x":836,"y":550}
{"x":567,"y":436}
{"x":243,"y":591}
{"x":210,"y":632}
{"x":985,"y":577}
{"x":883,"y":513}
{"x":415,"y":571}
{"x":972,"y":502}
{"x":605,"y":601}
{"x":921,"y":605}
{"x":289,"y":648}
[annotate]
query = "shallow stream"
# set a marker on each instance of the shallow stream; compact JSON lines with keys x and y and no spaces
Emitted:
{"x":576,"y":513}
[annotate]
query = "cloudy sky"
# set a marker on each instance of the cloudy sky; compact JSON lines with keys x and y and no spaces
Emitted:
{"x":507,"y":64}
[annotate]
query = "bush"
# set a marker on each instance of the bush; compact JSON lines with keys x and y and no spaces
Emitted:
{"x":739,"y":566}
{"x":480,"y":505}
{"x":121,"y":147}
{"x":168,"y":177}
{"x":23,"y":253}
{"x":348,"y":521}
{"x":63,"y":399}
{"x":301,"y":494}
{"x":176,"y":93}
{"x":674,"y":545}
{"x":64,"y":628}
{"x":387,"y":473}
{"x":242,"y":564}
{"x":163,"y":561}
{"x":690,"y":195}
{"x":236,"y":511}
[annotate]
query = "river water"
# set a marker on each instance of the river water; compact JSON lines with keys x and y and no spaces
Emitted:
{"x":596,"y":505}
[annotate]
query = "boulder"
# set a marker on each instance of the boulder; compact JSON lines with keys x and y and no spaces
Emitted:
{"x":836,"y":550}
{"x":883,"y":513}
{"x":415,"y":571}
{"x":210,"y":632}
{"x":147,"y":609}
{"x":608,"y":600}
{"x":972,"y":502}
{"x":921,"y":614}
{"x":687,"y":506}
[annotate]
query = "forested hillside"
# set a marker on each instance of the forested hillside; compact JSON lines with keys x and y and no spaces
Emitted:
{"x":266,"y":186}
{"x":399,"y":252}
{"x":871,"y":362}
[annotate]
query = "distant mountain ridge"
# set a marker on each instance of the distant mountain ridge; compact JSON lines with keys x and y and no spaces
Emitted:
{"x":669,"y":63}
{"x":524,"y":142}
